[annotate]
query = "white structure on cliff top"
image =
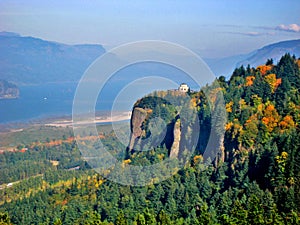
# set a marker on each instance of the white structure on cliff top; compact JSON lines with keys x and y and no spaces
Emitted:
{"x":183,"y":87}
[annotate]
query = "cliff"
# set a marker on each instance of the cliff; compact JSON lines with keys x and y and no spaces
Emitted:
{"x":177,"y":138}
{"x":162,"y":121}
{"x":138,"y":118}
{"x":8,"y":90}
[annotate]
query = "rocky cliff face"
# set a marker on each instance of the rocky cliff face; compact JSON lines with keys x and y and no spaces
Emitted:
{"x":181,"y":129}
{"x":169,"y":134}
{"x":138,"y":118}
{"x":177,"y":137}
{"x":156,"y":123}
{"x":8,"y":90}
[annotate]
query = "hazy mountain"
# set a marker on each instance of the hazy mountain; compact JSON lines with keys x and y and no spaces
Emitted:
{"x":29,"y":60}
{"x":274,"y":51}
{"x":224,"y":66}
{"x":9,"y":34}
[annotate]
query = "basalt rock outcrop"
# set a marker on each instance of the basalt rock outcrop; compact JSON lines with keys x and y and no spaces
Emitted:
{"x":181,"y":129}
{"x":169,"y":135}
{"x":138,"y":119}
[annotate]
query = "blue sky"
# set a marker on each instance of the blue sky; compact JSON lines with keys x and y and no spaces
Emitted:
{"x":212,"y":28}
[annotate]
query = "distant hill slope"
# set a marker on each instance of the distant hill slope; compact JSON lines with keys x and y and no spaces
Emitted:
{"x":225,"y":66}
{"x":28,"y":60}
{"x":274,"y":51}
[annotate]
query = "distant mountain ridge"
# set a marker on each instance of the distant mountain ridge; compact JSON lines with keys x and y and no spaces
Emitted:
{"x":29,"y":60}
{"x":9,"y":34}
{"x":274,"y":51}
{"x":225,"y":66}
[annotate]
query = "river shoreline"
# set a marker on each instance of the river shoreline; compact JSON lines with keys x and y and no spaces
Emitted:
{"x":109,"y":118}
{"x":101,"y":117}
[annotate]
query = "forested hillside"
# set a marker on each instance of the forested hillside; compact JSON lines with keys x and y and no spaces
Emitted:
{"x":254,"y":180}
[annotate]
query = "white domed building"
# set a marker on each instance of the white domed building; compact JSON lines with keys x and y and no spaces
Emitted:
{"x":184,"y":88}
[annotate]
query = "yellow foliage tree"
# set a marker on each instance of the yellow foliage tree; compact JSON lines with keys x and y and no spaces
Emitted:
{"x":264,"y":69}
{"x":229,"y":106}
{"x":237,"y":128}
{"x":250,"y":131}
{"x":127,"y":161}
{"x":270,"y":118}
{"x":249,"y":80}
{"x":197,"y":159}
{"x":258,"y":105}
{"x":287,"y":123}
{"x":228,"y":126}
{"x":272,"y":81}
{"x":194,"y":102}
{"x":298,"y":63}
{"x":242,"y":104}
